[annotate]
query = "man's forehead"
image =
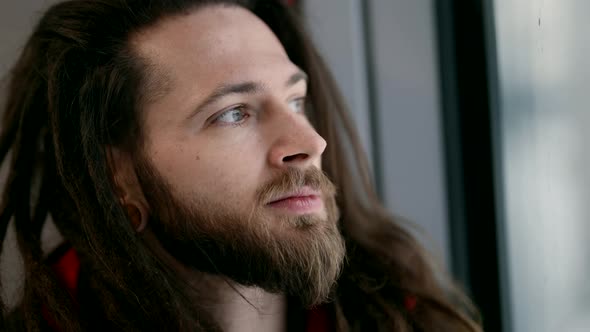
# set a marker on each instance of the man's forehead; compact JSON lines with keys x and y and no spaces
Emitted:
{"x":212,"y":46}
{"x":206,"y":37}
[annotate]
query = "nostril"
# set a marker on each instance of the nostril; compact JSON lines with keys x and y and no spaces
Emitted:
{"x":294,"y":157}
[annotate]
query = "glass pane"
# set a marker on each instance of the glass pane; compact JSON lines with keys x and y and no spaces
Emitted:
{"x":544,"y":67}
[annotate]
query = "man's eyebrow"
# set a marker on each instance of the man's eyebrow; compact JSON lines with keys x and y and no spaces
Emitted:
{"x":242,"y":88}
{"x":225,"y":90}
{"x":295,"y":78}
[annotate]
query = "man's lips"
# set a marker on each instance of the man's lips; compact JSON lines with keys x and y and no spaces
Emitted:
{"x":303,"y":200}
{"x":305,"y":191}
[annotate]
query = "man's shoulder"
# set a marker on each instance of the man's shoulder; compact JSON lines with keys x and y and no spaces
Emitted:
{"x":66,"y":265}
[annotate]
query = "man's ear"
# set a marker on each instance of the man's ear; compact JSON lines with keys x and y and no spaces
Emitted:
{"x":127,"y":187}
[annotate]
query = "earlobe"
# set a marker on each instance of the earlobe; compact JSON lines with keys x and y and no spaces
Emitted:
{"x":138,"y":215}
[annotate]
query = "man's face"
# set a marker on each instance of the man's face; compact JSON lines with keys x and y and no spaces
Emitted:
{"x":231,"y":165}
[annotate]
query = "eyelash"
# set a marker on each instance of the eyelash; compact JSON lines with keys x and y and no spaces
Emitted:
{"x":242,"y":108}
{"x":302,"y":101}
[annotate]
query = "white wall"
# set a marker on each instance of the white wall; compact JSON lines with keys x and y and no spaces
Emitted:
{"x":409,"y":116}
{"x":543,"y":57}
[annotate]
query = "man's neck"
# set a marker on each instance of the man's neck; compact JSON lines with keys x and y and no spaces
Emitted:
{"x":244,"y":309}
{"x":234,"y":307}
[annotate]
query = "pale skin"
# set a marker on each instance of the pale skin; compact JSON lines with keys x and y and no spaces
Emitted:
{"x":227,"y":148}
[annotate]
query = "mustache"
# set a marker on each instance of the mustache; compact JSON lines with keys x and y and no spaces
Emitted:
{"x":293,"y":179}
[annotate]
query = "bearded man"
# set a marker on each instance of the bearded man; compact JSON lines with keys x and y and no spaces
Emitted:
{"x":196,"y":157}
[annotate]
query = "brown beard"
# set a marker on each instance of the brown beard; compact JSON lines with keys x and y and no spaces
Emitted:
{"x":300,"y":256}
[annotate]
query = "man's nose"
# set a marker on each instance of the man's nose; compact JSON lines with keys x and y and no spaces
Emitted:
{"x":296,"y":143}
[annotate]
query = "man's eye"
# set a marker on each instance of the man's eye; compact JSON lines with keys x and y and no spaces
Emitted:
{"x":235,"y":115}
{"x":298,"y":105}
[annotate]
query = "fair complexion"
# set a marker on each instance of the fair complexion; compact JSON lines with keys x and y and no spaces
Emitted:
{"x":231,"y":119}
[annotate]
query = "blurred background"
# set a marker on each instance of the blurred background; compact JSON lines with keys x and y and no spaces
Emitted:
{"x":473,"y":117}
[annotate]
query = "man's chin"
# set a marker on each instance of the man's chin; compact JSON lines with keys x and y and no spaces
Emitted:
{"x":295,"y":220}
{"x":300,"y":222}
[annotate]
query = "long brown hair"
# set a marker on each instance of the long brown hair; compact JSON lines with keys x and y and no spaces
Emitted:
{"x":77,"y":88}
